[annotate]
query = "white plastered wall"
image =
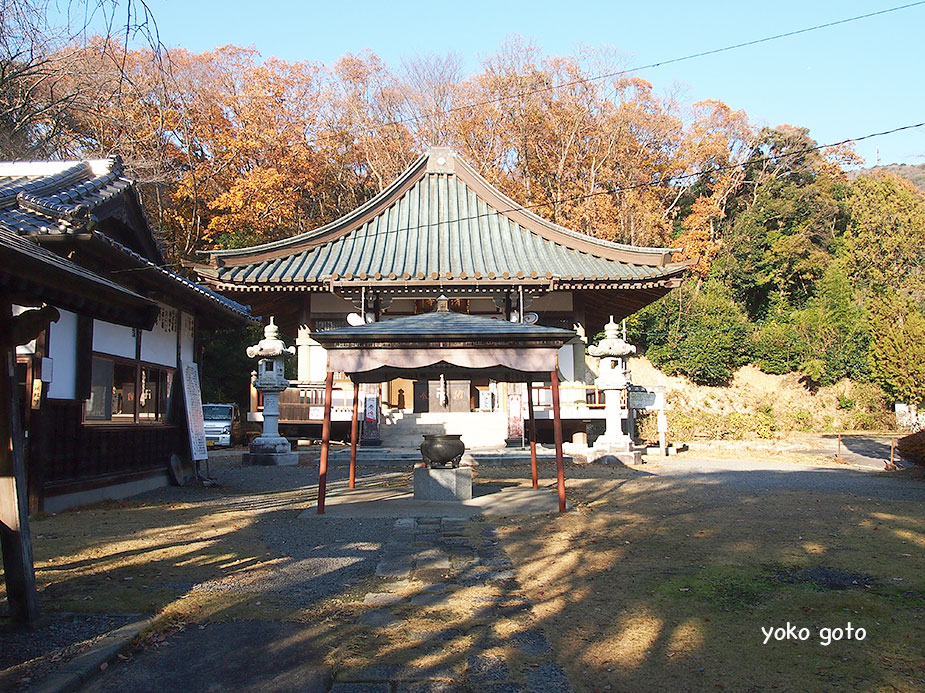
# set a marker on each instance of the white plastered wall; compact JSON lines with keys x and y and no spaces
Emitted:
{"x":115,"y":340}
{"x":187,"y":337}
{"x":159,"y":345}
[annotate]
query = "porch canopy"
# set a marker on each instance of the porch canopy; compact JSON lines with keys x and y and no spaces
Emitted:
{"x":453,"y":345}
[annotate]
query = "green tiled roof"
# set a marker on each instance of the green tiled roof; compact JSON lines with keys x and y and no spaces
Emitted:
{"x":440,"y":220}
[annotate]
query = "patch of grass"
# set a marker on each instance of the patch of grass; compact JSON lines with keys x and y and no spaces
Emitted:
{"x":730,"y":588}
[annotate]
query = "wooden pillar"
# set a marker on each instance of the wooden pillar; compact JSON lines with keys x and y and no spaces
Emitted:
{"x":533,"y":469}
{"x":325,"y":440}
{"x":16,"y":541}
{"x":353,"y":434}
{"x":557,"y":428}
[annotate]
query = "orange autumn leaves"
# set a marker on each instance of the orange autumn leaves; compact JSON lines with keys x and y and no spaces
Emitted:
{"x":232,"y":149}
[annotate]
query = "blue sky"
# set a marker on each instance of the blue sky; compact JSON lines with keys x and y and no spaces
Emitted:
{"x":841,"y":82}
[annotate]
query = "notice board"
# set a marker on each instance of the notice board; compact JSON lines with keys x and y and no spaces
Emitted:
{"x":192,"y":400}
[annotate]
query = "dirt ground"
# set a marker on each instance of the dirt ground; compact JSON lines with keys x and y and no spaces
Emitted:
{"x":666,"y":575}
{"x":663,"y":577}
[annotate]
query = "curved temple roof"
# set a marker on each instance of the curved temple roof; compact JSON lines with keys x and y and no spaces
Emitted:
{"x":440,"y":220}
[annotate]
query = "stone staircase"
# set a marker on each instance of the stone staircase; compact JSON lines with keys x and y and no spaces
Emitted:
{"x":478,"y":429}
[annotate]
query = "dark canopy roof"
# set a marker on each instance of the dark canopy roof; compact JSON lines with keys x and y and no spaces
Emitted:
{"x":440,"y":221}
{"x":443,"y":343}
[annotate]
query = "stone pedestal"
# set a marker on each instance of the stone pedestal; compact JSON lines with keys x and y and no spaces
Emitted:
{"x":449,"y":484}
{"x":270,"y":457}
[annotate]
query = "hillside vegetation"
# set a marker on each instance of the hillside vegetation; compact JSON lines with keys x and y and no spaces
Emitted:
{"x":914,"y":173}
{"x":760,"y":405}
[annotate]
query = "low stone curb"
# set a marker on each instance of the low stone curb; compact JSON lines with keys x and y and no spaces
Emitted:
{"x":82,"y":668}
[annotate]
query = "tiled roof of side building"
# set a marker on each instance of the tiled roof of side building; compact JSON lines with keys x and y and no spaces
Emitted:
{"x":439,"y":220}
{"x":53,"y":198}
{"x":28,"y":267}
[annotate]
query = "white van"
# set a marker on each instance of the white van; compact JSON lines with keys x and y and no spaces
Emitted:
{"x":222,"y":424}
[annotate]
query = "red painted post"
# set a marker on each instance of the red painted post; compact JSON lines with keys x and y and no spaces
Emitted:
{"x":353,"y":435}
{"x":325,"y":440}
{"x":533,"y":469}
{"x":557,"y":429}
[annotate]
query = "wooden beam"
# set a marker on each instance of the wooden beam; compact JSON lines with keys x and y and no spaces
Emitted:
{"x":557,"y":428}
{"x":353,"y":435}
{"x":533,"y":468}
{"x":16,"y":540}
{"x":325,"y":440}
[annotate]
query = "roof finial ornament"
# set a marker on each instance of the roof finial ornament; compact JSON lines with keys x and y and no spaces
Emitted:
{"x":443,"y":304}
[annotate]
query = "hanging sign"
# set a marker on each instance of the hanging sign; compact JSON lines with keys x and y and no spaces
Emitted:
{"x":371,"y":419}
{"x":192,"y":399}
{"x":371,"y":408}
{"x":515,"y":417}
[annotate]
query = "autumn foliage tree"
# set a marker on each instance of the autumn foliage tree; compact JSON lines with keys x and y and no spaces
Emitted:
{"x":232,"y":149}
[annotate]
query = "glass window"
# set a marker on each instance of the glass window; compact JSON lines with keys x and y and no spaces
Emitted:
{"x":123,"y":392}
{"x":113,"y":397}
{"x":216,"y":412}
{"x":99,"y":406}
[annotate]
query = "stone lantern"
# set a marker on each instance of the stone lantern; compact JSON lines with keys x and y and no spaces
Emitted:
{"x":613,"y":380}
{"x":271,"y":448}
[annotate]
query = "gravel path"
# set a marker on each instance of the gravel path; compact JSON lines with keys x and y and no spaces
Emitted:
{"x":441,"y":591}
{"x":443,"y":580}
{"x":733,"y":477}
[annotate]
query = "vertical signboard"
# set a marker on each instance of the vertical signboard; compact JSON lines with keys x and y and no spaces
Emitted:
{"x":370,"y":404}
{"x":515,"y":417}
{"x":192,"y":400}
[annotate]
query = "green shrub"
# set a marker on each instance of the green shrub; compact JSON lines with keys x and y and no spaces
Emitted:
{"x":801,"y":421}
{"x":833,"y":328}
{"x":711,"y":341}
{"x":777,"y":348}
{"x":738,"y":425}
{"x":764,"y":425}
{"x":814,"y":369}
{"x":845,"y":402}
{"x":897,"y":348}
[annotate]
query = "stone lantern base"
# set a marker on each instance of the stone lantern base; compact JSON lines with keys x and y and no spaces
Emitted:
{"x":268,"y":452}
{"x":609,"y":455}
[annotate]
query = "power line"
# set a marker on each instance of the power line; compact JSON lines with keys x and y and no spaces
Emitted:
{"x":652,"y":184}
{"x":661,"y":63}
{"x":718,"y":169}
{"x":673,"y":179}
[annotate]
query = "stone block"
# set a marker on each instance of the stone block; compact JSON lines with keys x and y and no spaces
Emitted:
{"x":271,"y":459}
{"x":453,"y":484}
{"x":610,"y":456}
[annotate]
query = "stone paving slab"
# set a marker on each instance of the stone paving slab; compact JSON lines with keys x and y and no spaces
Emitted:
{"x":465,"y":559}
{"x":378,"y":502}
{"x":382,"y":599}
